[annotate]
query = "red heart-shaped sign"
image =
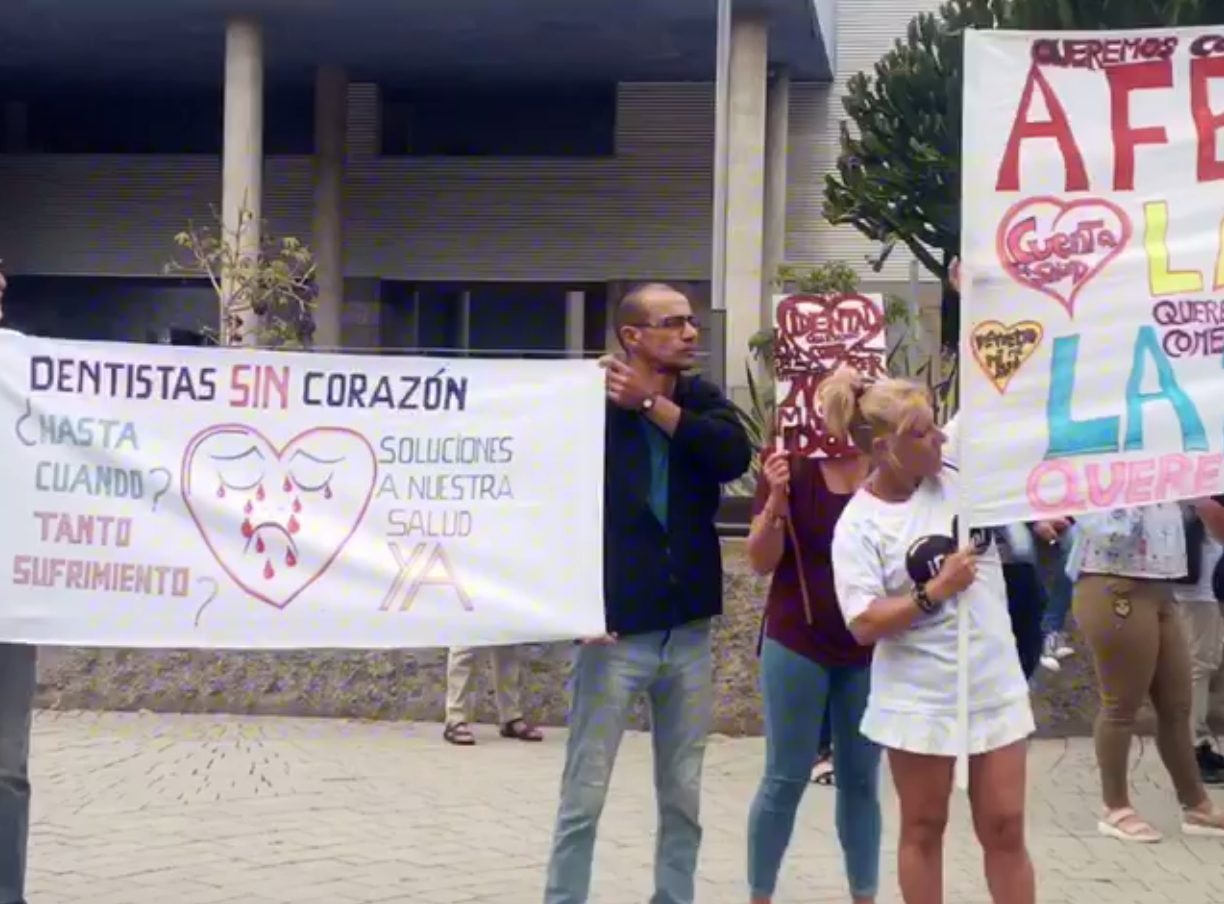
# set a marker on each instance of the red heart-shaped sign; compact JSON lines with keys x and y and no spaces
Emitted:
{"x":276,"y":518}
{"x":1057,"y":247}
{"x":816,"y":333}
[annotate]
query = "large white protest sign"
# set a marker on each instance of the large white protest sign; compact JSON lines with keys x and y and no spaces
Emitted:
{"x":179,"y":497}
{"x":1093,"y":304}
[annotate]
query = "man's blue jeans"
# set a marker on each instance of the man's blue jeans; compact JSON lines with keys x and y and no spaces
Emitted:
{"x":17,"y":680}
{"x":795,"y":691}
{"x":673,"y":668}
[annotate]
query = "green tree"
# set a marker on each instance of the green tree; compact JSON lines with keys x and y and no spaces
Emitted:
{"x":266,"y":297}
{"x":898,"y":174}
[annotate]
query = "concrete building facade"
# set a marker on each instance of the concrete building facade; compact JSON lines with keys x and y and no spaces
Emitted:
{"x":474,"y":175}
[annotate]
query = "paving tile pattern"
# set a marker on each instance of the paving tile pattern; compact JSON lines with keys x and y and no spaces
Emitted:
{"x":155,"y":809}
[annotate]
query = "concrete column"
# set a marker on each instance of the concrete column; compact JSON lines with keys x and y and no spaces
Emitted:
{"x":242,"y":162}
{"x":331,"y":123}
{"x":745,"y":194}
{"x":777,"y":134}
{"x":616,"y":291}
{"x":575,"y":324}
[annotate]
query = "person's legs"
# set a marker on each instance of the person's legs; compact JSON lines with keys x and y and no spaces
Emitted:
{"x":681,"y":711}
{"x":17,"y":682}
{"x":822,"y":771}
{"x":794,"y":690}
{"x":1120,"y":620}
{"x":997,"y":785}
{"x":460,"y":682}
{"x":604,"y":683}
{"x":1170,"y":692}
{"x":826,"y":730}
{"x":1025,"y":604}
{"x":1051,"y":561}
{"x":857,"y":765}
{"x":924,"y":786}
{"x":508,"y":691}
{"x":508,"y":683}
{"x":1204,"y":630}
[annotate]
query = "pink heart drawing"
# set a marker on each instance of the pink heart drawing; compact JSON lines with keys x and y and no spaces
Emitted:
{"x":819,"y":332}
{"x":1057,"y":247}
{"x":276,"y":519}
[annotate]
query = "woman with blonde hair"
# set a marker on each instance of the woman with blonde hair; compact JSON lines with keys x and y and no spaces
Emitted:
{"x":900,"y":580}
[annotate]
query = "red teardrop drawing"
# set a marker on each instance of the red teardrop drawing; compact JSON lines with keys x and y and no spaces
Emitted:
{"x":221,"y":491}
{"x":221,"y":455}
{"x":248,"y":508}
{"x":288,"y":485}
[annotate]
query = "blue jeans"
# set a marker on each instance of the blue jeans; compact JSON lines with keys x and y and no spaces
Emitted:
{"x":17,"y":680}
{"x":1052,"y":566}
{"x":795,"y":690}
{"x":674,"y":669}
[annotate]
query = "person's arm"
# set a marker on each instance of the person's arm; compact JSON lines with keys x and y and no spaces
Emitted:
{"x":1211,"y":512}
{"x":767,"y":534}
{"x":711,"y":431}
{"x":871,"y":614}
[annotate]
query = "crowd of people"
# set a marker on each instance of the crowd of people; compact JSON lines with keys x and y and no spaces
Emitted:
{"x":858,"y":649}
{"x":859,"y":635}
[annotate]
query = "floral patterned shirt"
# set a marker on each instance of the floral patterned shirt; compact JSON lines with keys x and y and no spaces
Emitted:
{"x":1147,"y":542}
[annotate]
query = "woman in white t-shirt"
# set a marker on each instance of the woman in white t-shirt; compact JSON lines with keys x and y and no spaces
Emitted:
{"x":899,"y":580}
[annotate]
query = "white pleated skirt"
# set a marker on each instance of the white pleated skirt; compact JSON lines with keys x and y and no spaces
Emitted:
{"x":936,"y":735}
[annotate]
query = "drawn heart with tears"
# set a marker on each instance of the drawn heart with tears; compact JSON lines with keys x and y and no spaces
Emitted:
{"x":1057,"y":247}
{"x":277,"y":518}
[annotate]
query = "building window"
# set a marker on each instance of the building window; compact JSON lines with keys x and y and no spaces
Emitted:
{"x":500,"y":123}
{"x":144,"y":122}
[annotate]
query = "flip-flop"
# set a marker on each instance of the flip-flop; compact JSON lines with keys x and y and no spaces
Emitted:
{"x":459,"y":734}
{"x":521,"y":730}
{"x":823,"y":774}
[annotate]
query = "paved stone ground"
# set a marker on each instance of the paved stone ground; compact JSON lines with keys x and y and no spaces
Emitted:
{"x":144,"y":809}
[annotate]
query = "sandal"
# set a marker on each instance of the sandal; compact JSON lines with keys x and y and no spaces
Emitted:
{"x":521,"y":730}
{"x":822,"y":774}
{"x":1209,"y":824}
{"x":1127,"y":825}
{"x":459,"y":734}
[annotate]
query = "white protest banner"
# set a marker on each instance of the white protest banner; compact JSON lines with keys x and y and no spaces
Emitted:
{"x":813,"y":336}
{"x":188,"y":497}
{"x":1093,"y":296}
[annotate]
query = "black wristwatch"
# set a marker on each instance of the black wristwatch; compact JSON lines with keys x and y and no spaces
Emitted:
{"x":923,"y":600}
{"x":647,"y":404}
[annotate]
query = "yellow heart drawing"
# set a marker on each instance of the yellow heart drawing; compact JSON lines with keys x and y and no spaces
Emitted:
{"x":1001,"y":349}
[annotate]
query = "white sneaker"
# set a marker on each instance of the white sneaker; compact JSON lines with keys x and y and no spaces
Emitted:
{"x":1062,"y":649}
{"x":1049,"y":654}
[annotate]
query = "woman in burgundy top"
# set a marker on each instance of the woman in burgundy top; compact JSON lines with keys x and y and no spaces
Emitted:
{"x":810,"y":665}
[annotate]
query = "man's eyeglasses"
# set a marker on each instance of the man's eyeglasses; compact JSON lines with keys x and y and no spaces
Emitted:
{"x":674,"y":322}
